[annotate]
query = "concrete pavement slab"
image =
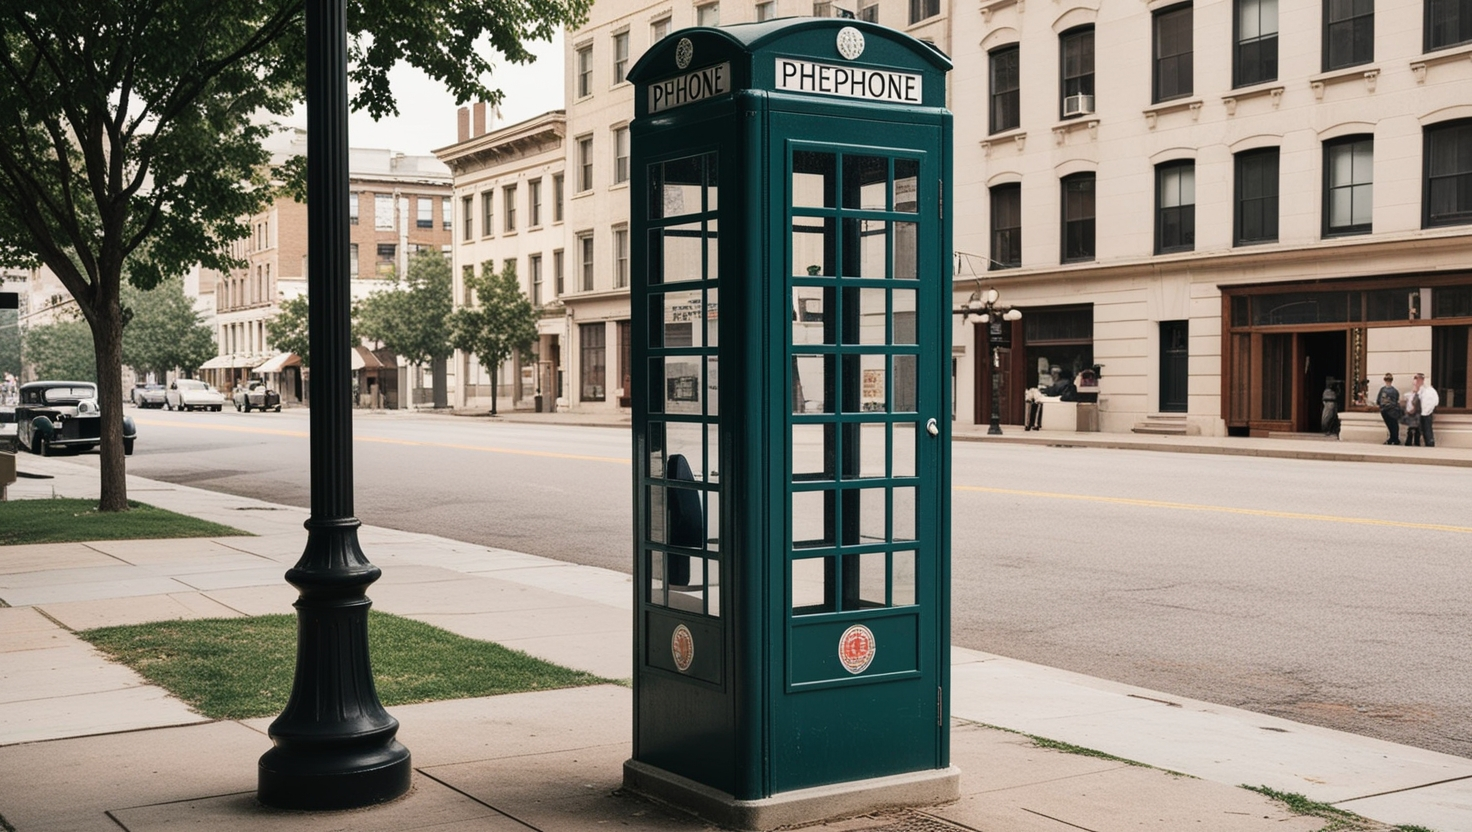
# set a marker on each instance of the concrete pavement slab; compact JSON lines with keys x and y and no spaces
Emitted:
{"x":98,"y":582}
{"x":24,"y":628}
{"x":87,"y":714}
{"x":180,"y":555}
{"x":116,"y":612}
{"x":586,"y":582}
{"x":1444,"y":807}
{"x":267,"y":575}
{"x":595,"y":640}
{"x":276,"y":599}
{"x":466,"y":595}
{"x":43,"y":557}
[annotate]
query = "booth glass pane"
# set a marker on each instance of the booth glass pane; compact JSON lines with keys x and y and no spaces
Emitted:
{"x":812,"y":390}
{"x":713,"y":588}
{"x":906,"y":185}
{"x":712,"y":186}
{"x":712,"y":521}
{"x":905,"y":378}
{"x":865,"y":454}
{"x":682,"y":384}
{"x":712,"y":386}
{"x":688,"y":596}
{"x":902,"y":579}
{"x":712,"y":251}
{"x":903,"y":452}
{"x":903,"y":316}
{"x":712,"y":452}
{"x":656,"y":381}
{"x":812,"y":519}
{"x":811,"y":581}
{"x":712,"y":317}
{"x":656,"y":450}
{"x":866,"y":252}
{"x":812,"y":246}
{"x":904,"y":514}
{"x":865,"y":182}
{"x":681,"y":254}
{"x":681,"y":314}
{"x":906,"y":251}
{"x":657,"y":515}
{"x":812,"y":452}
{"x":654,"y":260}
{"x":685,"y":440}
{"x":655,"y":589}
{"x":872,"y":515}
{"x":864,"y":383}
{"x":676,"y":187}
{"x":811,"y":321}
{"x":813,"y":179}
{"x":865,"y":316}
{"x":872,"y":586}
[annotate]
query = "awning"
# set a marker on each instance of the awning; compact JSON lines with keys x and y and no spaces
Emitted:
{"x":231,"y":361}
{"x":363,"y":359}
{"x":277,"y":363}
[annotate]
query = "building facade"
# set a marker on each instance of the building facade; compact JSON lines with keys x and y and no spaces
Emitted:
{"x":1229,"y":207}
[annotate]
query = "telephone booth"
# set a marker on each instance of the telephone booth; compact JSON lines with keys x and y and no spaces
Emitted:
{"x":791,"y":344}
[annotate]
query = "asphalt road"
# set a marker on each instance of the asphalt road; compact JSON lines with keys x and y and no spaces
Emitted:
{"x":1329,"y":593}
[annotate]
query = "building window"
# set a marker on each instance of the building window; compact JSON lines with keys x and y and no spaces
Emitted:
{"x":1076,"y":53}
{"x":353,"y":208}
{"x":1349,"y":175}
{"x":823,"y":8}
{"x":620,"y":258}
{"x":488,"y":213}
{"x":467,"y":217}
{"x":558,"y":272}
{"x":923,"y":9}
{"x":1448,"y":164}
{"x":594,"y":374}
{"x":659,"y":30}
{"x":466,"y":274}
{"x":1172,"y":45}
{"x":424,"y":212}
{"x":534,"y":203}
{"x":1257,"y":196}
{"x":445,"y":219}
{"x":585,"y":262}
{"x":1175,"y":207}
{"x":1256,"y":53}
{"x":869,"y":13}
{"x":383,"y":212}
{"x":386,"y":252}
{"x":1078,"y":217}
{"x":1349,"y":33}
{"x":509,"y":194}
{"x":708,"y":15}
{"x":352,"y":260}
{"x":557,"y":197}
{"x":620,"y":155}
{"x":1006,"y":226}
{"x":1006,"y":112}
{"x":620,"y":57}
{"x":585,"y":71}
{"x":1448,"y":23}
{"x":585,"y":164}
{"x":534,"y":266}
{"x":765,"y":11}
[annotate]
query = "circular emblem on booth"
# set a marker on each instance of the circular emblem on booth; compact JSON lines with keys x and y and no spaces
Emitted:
{"x":856,"y":648}
{"x":682,"y":648}
{"x":684,"y":51}
{"x":850,"y":42}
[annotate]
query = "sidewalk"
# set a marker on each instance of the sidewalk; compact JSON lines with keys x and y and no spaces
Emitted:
{"x":87,"y":745}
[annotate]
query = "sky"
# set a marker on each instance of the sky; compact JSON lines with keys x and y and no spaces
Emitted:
{"x":426,"y":117}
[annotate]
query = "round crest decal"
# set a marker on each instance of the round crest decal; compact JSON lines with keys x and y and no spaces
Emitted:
{"x":850,"y":42}
{"x":856,"y":648}
{"x":682,"y":648}
{"x":684,"y":51}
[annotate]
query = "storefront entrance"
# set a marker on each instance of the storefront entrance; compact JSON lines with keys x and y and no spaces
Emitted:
{"x":1322,"y":367}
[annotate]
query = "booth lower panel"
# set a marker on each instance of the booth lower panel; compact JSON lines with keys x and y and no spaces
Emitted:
{"x":797,"y":807}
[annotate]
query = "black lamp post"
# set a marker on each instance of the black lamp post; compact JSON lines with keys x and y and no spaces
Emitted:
{"x":982,"y":308}
{"x":334,"y":745}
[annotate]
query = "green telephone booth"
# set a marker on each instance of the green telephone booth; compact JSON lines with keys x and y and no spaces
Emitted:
{"x":791,"y":347}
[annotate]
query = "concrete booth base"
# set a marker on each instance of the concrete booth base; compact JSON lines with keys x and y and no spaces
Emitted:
{"x":800,"y":806}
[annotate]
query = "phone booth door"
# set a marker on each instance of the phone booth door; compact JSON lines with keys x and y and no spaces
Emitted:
{"x":865,"y":571}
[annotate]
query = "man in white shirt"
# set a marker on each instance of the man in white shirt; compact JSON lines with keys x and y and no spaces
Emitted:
{"x":1429,"y":401}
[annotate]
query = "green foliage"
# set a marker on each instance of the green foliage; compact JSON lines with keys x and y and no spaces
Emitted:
{"x":502,"y":322}
{"x":68,"y":521}
{"x":288,"y":331}
{"x":164,"y":331}
{"x":9,"y":342}
{"x":1339,"y":820}
{"x":61,"y":351}
{"x":411,"y":318}
{"x":239,"y":668}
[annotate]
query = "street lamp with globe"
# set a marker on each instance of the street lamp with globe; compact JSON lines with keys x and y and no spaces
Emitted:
{"x":983,"y":308}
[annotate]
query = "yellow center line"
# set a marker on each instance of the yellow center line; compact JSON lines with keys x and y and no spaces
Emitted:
{"x":1254,"y":512}
{"x":301,"y":434}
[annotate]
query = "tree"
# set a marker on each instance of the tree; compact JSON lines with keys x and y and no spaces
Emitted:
{"x":61,"y":351}
{"x":287,"y":331}
{"x":133,"y":130}
{"x":164,"y":330}
{"x":503,"y":322}
{"x":411,"y":318}
{"x":9,"y":342}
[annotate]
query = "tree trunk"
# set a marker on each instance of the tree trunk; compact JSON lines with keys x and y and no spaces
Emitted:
{"x":439,"y":373}
{"x":107,"y":339}
{"x":495,"y":387}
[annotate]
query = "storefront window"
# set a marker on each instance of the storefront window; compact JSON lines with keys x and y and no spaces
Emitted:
{"x":1449,"y":348}
{"x":1060,"y":343}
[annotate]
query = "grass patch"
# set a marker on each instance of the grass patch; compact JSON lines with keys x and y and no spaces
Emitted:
{"x":1339,"y":820}
{"x":69,"y":521}
{"x":1070,"y":748}
{"x":240,"y":668}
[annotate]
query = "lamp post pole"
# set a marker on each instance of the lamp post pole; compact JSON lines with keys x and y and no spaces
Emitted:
{"x":983,"y":308}
{"x":333,"y":745}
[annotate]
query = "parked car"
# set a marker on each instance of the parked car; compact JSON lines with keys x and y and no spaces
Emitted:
{"x":192,"y":394}
{"x":149,"y":395}
{"x":256,"y":396}
{"x":63,"y":414}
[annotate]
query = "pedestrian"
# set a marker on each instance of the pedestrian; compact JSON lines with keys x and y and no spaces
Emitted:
{"x":1388,"y":400}
{"x":1410,"y":409}
{"x":1329,"y":419}
{"x":1429,"y":401}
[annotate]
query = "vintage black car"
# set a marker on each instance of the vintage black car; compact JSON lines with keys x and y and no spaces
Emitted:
{"x":63,"y":414}
{"x":256,"y":396}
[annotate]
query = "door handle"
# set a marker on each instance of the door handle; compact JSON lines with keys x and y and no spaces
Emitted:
{"x":932,"y":428}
